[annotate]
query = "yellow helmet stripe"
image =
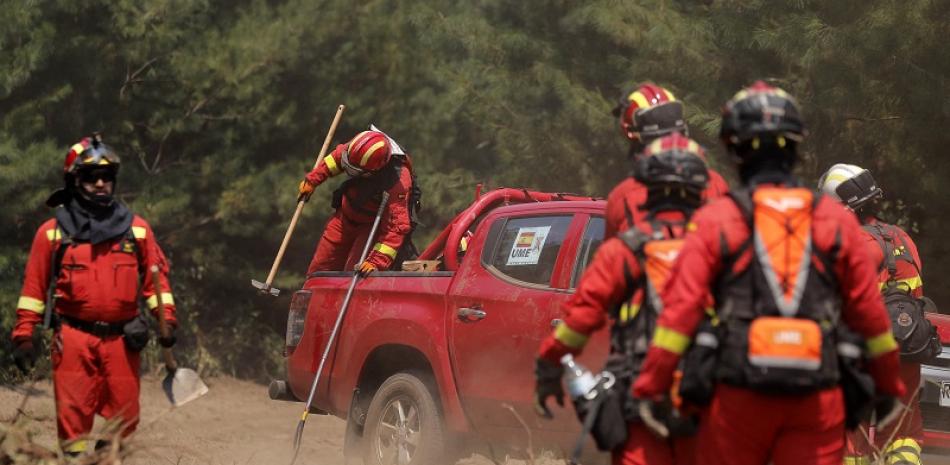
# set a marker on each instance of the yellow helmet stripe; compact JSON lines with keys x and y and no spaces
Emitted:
{"x":669,"y":95}
{"x":353,"y":140}
{"x":639,"y":99}
{"x":371,"y":151}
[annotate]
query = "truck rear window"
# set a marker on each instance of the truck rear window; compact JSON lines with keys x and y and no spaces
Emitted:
{"x":527,"y":248}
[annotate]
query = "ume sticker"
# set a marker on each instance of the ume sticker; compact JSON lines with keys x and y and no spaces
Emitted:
{"x":528,"y":244}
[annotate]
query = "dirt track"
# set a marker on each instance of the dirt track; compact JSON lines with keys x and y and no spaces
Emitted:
{"x":235,"y":424}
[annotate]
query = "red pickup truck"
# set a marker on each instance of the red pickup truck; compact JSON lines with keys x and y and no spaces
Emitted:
{"x":428,"y":359}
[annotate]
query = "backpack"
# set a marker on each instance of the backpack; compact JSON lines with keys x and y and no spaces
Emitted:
{"x":916,"y":336}
{"x":780,"y":309}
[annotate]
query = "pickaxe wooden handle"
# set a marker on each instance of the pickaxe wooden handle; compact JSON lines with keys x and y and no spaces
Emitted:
{"x":265,"y":287}
{"x":170,"y":364}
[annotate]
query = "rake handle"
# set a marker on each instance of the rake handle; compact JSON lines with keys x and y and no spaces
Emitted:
{"x":300,"y":204}
{"x":170,"y":364}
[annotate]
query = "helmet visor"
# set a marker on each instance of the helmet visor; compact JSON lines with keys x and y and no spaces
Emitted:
{"x":858,"y":190}
{"x":660,"y":119}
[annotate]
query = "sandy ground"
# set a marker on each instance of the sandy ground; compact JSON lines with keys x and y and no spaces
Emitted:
{"x":235,"y":423}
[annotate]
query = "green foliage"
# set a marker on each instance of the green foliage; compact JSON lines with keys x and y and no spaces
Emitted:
{"x":218,"y":108}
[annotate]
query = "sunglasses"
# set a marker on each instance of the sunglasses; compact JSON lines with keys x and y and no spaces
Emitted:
{"x":93,"y":176}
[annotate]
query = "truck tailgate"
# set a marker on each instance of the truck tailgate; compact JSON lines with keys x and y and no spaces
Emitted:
{"x":386,"y":308}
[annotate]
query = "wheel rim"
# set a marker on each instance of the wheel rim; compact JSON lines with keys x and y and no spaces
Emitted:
{"x":398,"y":432}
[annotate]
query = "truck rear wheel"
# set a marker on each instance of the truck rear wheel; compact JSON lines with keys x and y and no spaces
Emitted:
{"x":403,"y":425}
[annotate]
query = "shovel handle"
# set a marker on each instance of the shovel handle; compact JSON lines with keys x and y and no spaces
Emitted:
{"x":300,"y":204}
{"x":170,"y":363}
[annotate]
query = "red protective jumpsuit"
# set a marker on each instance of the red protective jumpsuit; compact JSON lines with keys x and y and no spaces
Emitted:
{"x":743,"y":426}
{"x":346,"y":232}
{"x":623,"y":202}
{"x":912,"y":426}
{"x":92,"y":374}
{"x":602,"y":288}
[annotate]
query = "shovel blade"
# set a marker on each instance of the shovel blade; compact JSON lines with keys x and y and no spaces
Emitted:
{"x":183,"y":386}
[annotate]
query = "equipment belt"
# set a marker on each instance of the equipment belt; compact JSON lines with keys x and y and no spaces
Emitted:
{"x":96,"y":328}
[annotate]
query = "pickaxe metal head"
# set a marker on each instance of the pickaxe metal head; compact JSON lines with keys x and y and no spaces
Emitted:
{"x":264,"y":288}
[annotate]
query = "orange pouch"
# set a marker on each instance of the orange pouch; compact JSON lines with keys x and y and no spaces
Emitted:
{"x":780,"y":342}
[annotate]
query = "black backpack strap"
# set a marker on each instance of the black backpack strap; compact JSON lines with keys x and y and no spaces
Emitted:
{"x":884,"y":242}
{"x":56,"y":265}
{"x":627,"y":213}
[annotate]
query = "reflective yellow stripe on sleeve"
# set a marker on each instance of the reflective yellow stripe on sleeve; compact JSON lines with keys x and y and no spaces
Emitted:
{"x":31,"y":304}
{"x":911,"y":283}
{"x":54,"y":234}
{"x":167,"y":299}
{"x":139,"y":232}
{"x":856,"y":460}
{"x":569,"y":337}
{"x":670,"y":340}
{"x":881,"y":344}
{"x":331,"y":165}
{"x":385,"y":250}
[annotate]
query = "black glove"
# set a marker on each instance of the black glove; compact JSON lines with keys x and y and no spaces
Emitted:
{"x":24,"y":355}
{"x":886,"y":410}
{"x":168,"y":342}
{"x":548,"y":377}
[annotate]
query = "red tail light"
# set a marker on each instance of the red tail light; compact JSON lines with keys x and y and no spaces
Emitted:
{"x":296,"y":318}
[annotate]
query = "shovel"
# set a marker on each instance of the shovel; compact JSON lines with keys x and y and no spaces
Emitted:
{"x":181,"y":385}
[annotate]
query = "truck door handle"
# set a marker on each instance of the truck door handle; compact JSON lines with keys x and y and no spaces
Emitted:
{"x":555,"y":322}
{"x":470,"y":315}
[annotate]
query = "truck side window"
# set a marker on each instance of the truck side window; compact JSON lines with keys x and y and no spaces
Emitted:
{"x":593,"y":237}
{"x":527,"y":248}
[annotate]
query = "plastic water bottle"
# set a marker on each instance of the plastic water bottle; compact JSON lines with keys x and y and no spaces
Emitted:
{"x":579,"y":379}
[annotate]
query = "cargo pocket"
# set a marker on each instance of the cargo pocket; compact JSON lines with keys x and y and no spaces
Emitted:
{"x":126,"y":282}
{"x":74,"y":282}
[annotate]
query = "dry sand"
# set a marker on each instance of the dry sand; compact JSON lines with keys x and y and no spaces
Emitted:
{"x":235,"y":424}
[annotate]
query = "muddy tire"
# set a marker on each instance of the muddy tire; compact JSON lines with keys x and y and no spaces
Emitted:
{"x":403,"y":425}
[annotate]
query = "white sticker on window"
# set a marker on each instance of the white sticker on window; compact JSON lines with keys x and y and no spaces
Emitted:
{"x":528,"y":245}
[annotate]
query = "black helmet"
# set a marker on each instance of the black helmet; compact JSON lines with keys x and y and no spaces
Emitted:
{"x":758,"y":112}
{"x":674,"y":170}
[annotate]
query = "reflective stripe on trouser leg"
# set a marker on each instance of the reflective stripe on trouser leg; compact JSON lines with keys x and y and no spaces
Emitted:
{"x":903,"y":451}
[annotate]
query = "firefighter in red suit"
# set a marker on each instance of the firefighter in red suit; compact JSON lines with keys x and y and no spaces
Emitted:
{"x":646,"y":113}
{"x":619,"y":285}
{"x":856,"y":187}
{"x":780,"y":295}
{"x":375,"y":163}
{"x":98,"y":249}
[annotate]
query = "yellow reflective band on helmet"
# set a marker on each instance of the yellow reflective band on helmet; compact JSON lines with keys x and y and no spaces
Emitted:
{"x":139,"y":232}
{"x":77,"y":446}
{"x":569,"y":337}
{"x":670,"y":340}
{"x":856,"y":460}
{"x":628,"y":311}
{"x":669,"y":95}
{"x":385,"y":250}
{"x":881,"y":344}
{"x":911,"y":283}
{"x":331,"y":165}
{"x":54,"y":234}
{"x":692,"y":146}
{"x":77,"y":148}
{"x":639,"y":99}
{"x":31,"y":304}
{"x":167,"y":299}
{"x":371,"y":151}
